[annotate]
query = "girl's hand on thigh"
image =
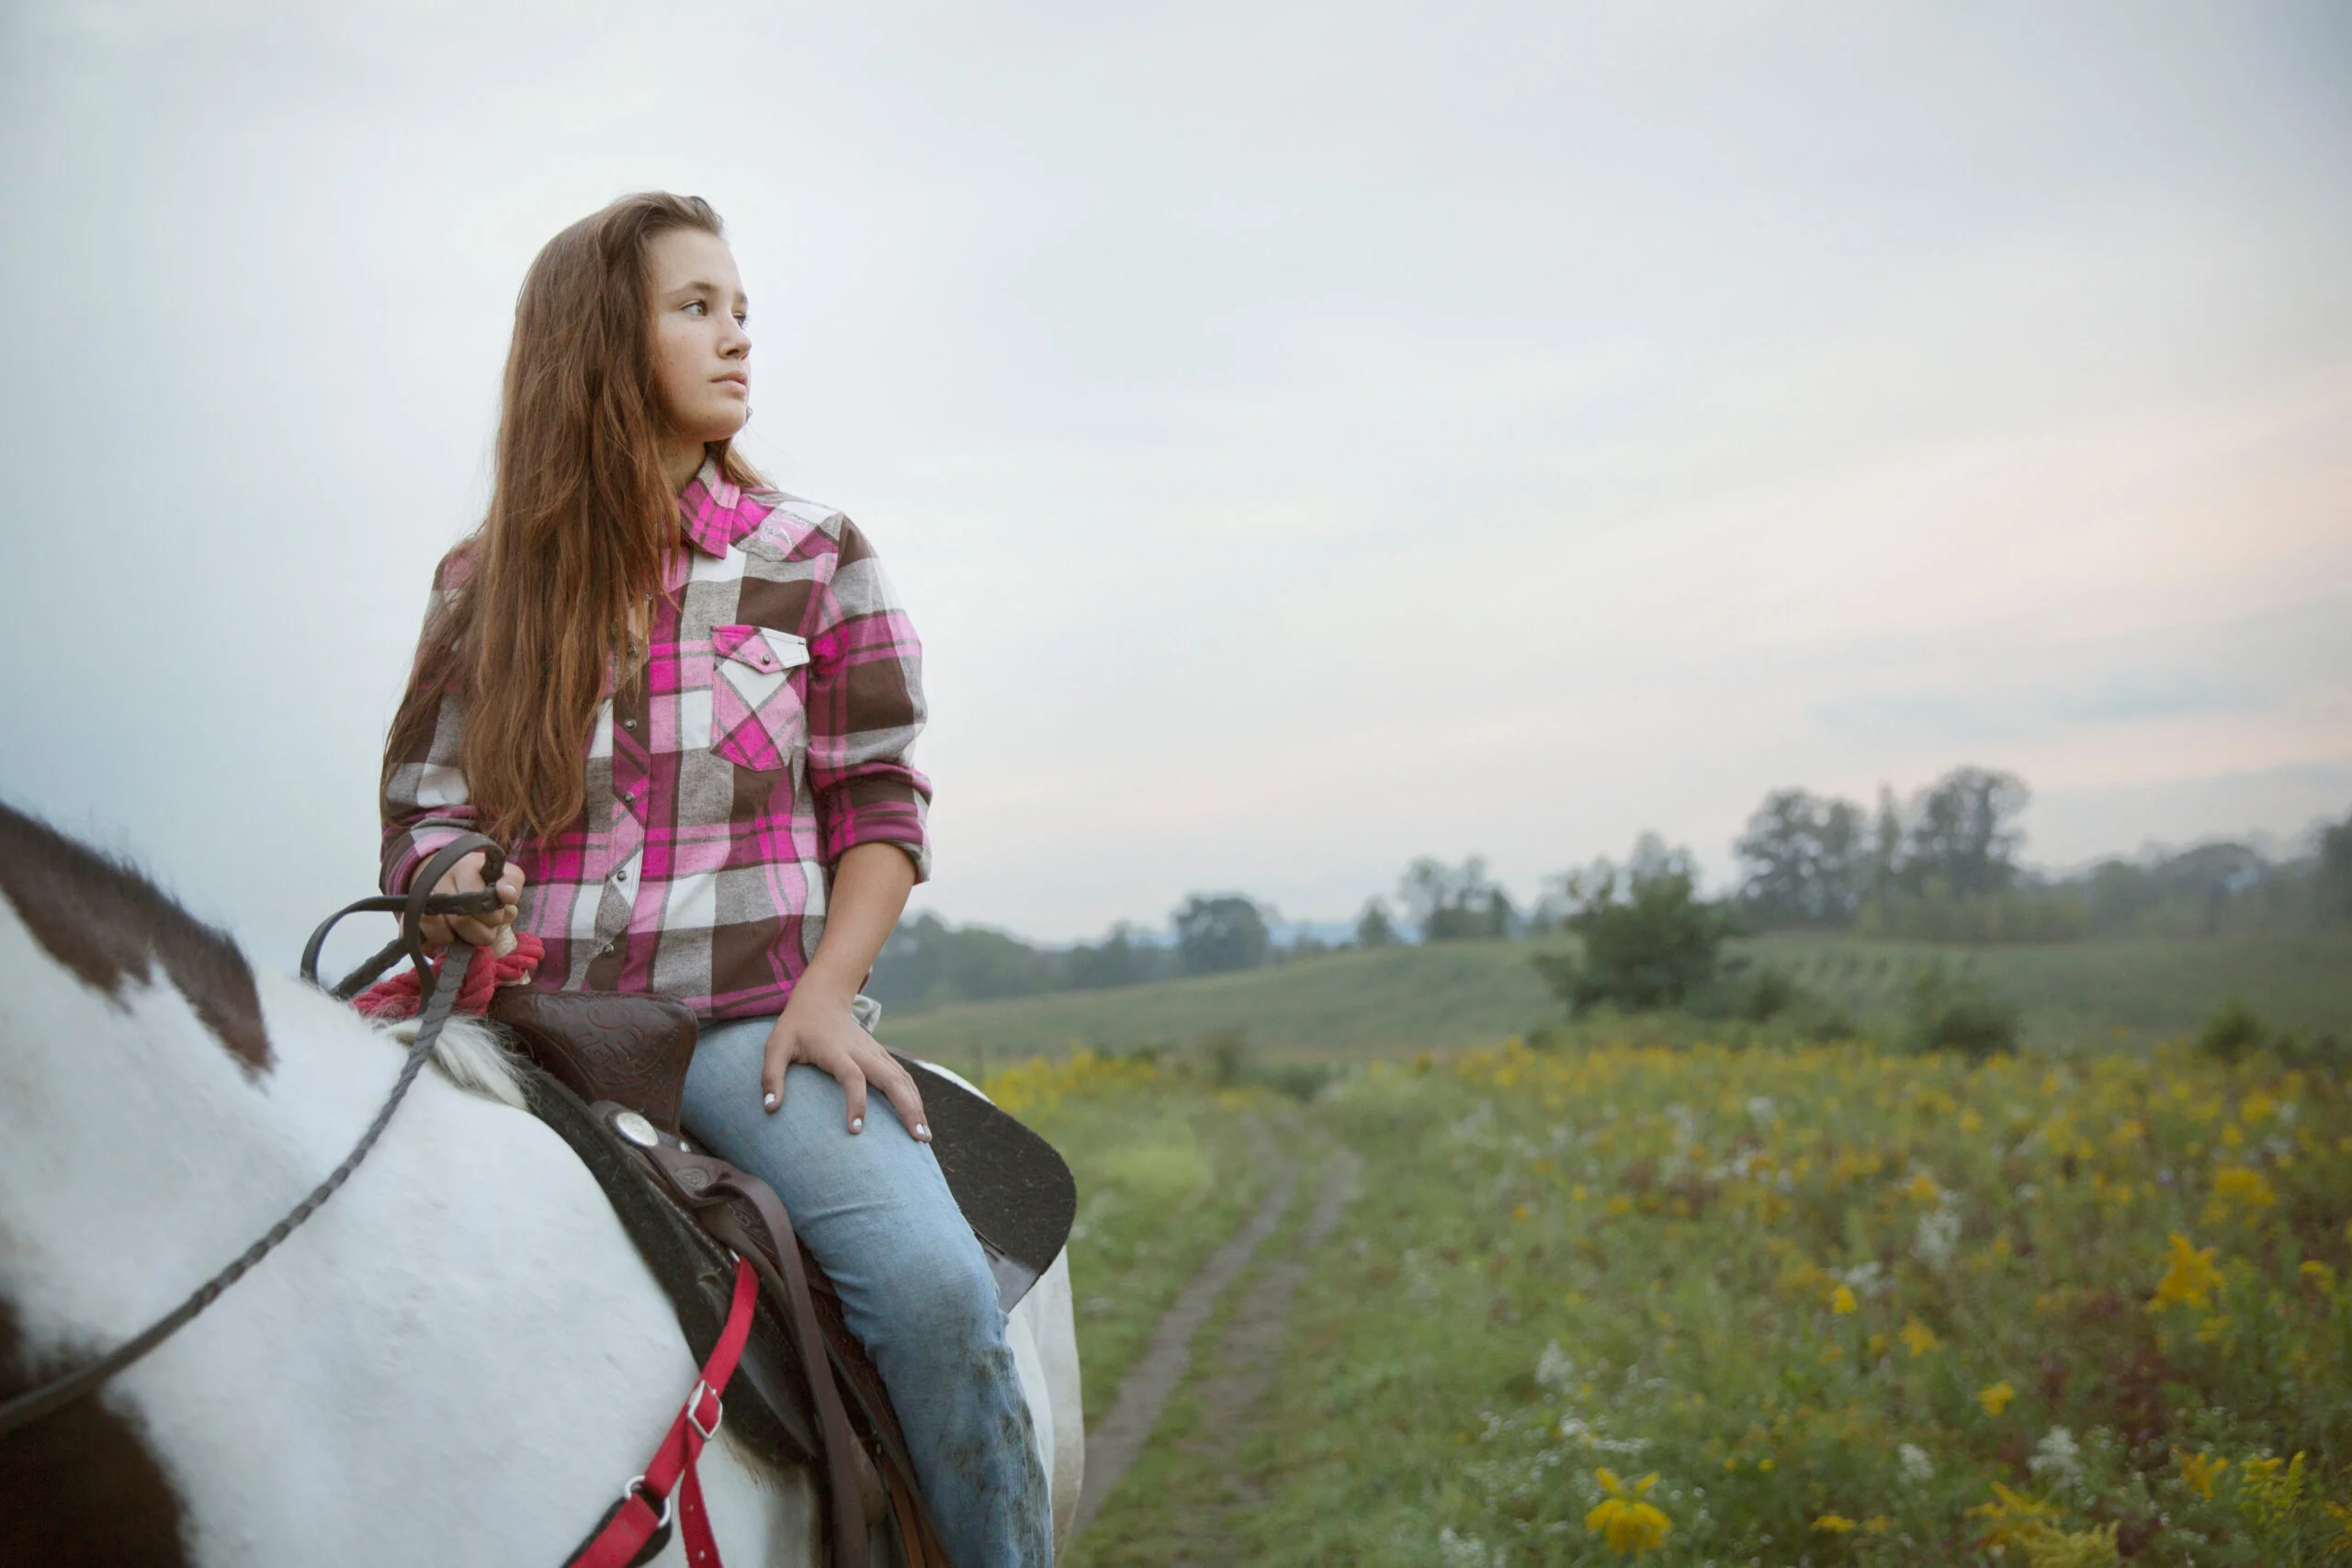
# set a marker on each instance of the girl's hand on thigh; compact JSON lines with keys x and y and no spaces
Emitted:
{"x":818,"y":1029}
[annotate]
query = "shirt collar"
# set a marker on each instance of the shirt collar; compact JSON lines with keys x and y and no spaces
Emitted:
{"x":714,"y":514}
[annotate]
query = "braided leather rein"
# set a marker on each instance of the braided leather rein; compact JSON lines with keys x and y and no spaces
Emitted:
{"x":438,"y":1001}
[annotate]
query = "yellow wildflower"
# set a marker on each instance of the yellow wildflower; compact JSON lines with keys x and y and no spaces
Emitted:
{"x":1622,"y":1520}
{"x":1922,"y":1189}
{"x":1520,"y":1212}
{"x":1832,"y":1524}
{"x":2320,"y":1273}
{"x":2210,"y":1330}
{"x":2198,"y":1470}
{"x":1878,"y":1524}
{"x":2268,"y":1495}
{"x":1919,"y":1338}
{"x":2191,"y":1279}
{"x":2013,"y":1518}
{"x":1841,"y":1301}
{"x":1996,"y":1396}
{"x":2342,"y":1545}
{"x":2047,"y":1547}
{"x":2248,"y":1187}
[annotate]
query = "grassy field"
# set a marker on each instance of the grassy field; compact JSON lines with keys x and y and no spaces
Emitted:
{"x":1397,"y":1001}
{"x":1808,"y":1306}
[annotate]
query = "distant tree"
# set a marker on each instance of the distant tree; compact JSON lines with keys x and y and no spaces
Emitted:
{"x":1805,"y":860}
{"x":1373,"y":929}
{"x":1117,"y":960}
{"x":1964,"y":834}
{"x":927,"y":962}
{"x":1454,"y":902}
{"x":1885,"y":859}
{"x":1221,"y":932}
{"x":1650,"y":941}
{"x":2333,"y":881}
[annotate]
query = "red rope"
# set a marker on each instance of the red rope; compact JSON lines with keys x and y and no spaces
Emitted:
{"x":397,"y":997}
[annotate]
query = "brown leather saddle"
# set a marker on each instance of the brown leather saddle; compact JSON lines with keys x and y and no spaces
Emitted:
{"x":611,"y":1075}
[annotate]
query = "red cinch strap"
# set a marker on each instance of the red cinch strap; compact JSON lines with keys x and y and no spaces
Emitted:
{"x":643,"y":1505}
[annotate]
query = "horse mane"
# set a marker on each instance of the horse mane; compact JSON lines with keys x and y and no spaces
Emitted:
{"x":473,"y":1054}
{"x":107,"y":922}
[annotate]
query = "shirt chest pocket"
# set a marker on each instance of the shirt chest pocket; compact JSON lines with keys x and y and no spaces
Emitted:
{"x":758,"y":716}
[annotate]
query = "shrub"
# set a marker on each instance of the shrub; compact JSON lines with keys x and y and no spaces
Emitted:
{"x":2233,"y":1032}
{"x":1226,"y":1053}
{"x":1957,"y":1013}
{"x":1650,"y":941}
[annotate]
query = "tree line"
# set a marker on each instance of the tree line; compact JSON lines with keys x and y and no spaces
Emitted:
{"x":1943,"y":867}
{"x":1946,"y":869}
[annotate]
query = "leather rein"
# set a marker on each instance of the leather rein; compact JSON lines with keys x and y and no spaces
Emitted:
{"x":439,"y":999}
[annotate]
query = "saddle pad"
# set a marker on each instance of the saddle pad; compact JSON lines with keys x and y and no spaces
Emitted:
{"x":1016,"y":1193}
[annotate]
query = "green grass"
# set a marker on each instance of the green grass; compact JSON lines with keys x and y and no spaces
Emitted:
{"x":1397,"y":1000}
{"x":2148,"y":988}
{"x":1760,"y":1274}
{"x":1164,"y":1175}
{"x":1401,"y":1000}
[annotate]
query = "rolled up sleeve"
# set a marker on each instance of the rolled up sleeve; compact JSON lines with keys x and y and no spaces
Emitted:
{"x":865,"y":709}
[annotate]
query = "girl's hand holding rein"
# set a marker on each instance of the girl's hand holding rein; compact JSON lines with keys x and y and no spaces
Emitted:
{"x":480,"y":930}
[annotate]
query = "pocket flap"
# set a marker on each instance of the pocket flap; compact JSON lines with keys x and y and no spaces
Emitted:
{"x":763,"y":647}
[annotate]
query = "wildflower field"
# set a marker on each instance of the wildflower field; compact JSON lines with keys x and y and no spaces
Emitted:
{"x":1816,"y":1305}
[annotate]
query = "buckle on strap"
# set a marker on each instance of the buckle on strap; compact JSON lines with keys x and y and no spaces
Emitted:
{"x":718,"y":1411}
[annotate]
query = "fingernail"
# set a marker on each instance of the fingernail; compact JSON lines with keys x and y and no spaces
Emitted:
{"x":771,"y":1103}
{"x":922,"y":1130}
{"x":857,"y":1123}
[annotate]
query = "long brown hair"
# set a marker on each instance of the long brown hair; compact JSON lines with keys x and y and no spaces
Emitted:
{"x":581,"y":515}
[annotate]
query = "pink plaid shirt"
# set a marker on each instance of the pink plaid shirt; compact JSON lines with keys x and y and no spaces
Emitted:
{"x":769,"y":732}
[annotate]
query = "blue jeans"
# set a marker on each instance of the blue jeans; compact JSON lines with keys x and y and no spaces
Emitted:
{"x":915,"y":1285}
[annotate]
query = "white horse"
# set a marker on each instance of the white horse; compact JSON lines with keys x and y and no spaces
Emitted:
{"x":461,"y":1359}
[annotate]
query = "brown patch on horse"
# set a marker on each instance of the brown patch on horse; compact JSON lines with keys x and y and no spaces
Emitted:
{"x":106,"y":922}
{"x":81,"y":1486}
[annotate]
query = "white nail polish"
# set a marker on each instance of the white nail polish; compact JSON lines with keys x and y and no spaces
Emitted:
{"x":922,"y":1130}
{"x":857,"y":1123}
{"x":771,"y":1103}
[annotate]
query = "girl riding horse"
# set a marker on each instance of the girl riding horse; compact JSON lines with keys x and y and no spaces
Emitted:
{"x":687,"y":700}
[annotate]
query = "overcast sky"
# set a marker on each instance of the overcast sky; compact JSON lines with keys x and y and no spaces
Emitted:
{"x":1307,"y":435}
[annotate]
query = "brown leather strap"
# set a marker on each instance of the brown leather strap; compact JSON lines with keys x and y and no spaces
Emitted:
{"x":706,"y":1184}
{"x":914,"y":1530}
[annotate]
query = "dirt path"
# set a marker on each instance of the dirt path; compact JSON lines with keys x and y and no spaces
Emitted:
{"x":1236,"y":1376}
{"x":1113,"y":1444}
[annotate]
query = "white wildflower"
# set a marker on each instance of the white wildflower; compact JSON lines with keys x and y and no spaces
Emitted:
{"x":1938,"y":1238}
{"x":1761,"y":1108}
{"x":2057,"y":1456}
{"x":1918,"y":1468}
{"x":1466,"y":1552}
{"x":1557,"y":1369}
{"x":1869,"y":1278}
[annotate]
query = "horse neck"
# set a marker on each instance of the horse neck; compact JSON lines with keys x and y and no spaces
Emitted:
{"x":137,"y":1152}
